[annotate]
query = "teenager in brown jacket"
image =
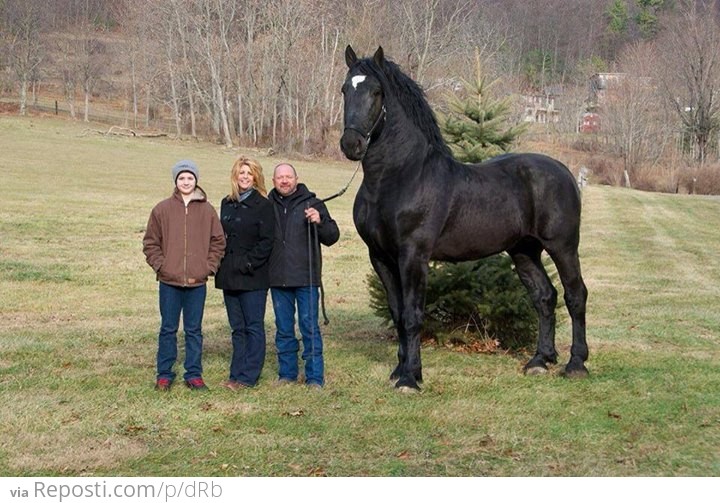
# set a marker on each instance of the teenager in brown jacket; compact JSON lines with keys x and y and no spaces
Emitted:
{"x":183,"y":243}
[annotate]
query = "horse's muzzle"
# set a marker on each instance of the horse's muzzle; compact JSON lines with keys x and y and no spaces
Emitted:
{"x":353,"y":144}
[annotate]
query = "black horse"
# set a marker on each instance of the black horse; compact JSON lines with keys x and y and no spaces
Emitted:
{"x":416,"y":204}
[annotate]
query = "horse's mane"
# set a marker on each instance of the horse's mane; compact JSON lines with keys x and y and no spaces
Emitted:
{"x":411,"y":97}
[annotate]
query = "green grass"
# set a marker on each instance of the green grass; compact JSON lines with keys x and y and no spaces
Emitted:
{"x":79,"y":325}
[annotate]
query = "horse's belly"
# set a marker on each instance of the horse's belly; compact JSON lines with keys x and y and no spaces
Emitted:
{"x":469,"y":245}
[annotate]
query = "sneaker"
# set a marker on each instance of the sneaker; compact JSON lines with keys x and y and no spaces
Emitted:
{"x":163,"y":384}
{"x":234,"y":385}
{"x":196,"y":384}
{"x":283,"y":381}
{"x":314,"y":386}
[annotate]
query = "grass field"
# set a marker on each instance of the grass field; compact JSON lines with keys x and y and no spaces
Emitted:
{"x":79,"y":324}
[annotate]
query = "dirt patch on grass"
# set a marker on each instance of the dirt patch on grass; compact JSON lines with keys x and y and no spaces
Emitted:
{"x":51,"y":452}
{"x":9,"y":108}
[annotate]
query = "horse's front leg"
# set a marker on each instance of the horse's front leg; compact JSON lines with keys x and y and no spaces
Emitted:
{"x":390,"y":277}
{"x":413,"y":280}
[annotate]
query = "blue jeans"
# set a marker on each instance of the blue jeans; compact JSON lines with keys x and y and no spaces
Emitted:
{"x":287,"y":345}
{"x":246,"y":315}
{"x":191,"y":303}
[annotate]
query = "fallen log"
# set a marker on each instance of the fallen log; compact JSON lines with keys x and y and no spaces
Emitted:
{"x":123,"y":131}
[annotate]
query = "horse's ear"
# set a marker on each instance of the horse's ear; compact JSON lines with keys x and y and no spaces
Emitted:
{"x":379,"y":57}
{"x":350,"y":56}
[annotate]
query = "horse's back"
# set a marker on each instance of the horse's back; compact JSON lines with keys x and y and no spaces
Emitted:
{"x":536,"y":179}
{"x":540,"y":168}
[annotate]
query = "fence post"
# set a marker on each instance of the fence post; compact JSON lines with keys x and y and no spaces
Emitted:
{"x":582,"y":179}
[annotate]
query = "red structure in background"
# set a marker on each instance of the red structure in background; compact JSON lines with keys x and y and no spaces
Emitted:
{"x":590,"y":122}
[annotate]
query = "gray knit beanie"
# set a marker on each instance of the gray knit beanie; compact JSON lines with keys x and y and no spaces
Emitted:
{"x":185,"y":165}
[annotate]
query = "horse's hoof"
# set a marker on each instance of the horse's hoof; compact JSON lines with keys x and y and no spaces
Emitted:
{"x":535,"y":367}
{"x":407,"y":385}
{"x":536,"y":371}
{"x":580,"y":373}
{"x":407,"y":390}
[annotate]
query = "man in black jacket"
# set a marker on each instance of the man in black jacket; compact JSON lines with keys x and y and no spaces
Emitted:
{"x":301,"y":221}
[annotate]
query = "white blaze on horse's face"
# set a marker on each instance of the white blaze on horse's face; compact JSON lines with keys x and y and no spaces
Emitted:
{"x":356,"y":80}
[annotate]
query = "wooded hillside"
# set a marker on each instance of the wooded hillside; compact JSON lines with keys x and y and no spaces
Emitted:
{"x":268,"y":73}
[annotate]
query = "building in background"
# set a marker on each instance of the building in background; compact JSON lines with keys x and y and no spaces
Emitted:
{"x":600,"y":86}
{"x":540,"y":106}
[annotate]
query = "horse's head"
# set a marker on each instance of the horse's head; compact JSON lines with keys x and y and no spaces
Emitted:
{"x":363,"y":110}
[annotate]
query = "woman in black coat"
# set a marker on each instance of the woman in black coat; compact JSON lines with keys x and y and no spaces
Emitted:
{"x":247,"y":219}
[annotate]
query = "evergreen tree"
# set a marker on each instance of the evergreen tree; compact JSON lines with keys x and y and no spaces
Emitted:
{"x":617,"y":30}
{"x":476,"y":127}
{"x":646,"y":18}
{"x":618,"y":17}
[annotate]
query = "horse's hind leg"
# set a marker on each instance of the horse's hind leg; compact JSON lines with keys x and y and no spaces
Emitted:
{"x":568,"y":266}
{"x":528,"y":265}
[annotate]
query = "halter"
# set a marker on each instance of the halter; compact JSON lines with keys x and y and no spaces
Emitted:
{"x":381,"y":116}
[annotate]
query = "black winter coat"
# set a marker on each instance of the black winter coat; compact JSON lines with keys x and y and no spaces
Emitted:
{"x":289,"y":262}
{"x":249,"y":231}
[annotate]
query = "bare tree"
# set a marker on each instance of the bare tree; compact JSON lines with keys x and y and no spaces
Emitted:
{"x":432,"y":30}
{"x":214,"y":19}
{"x":91,"y":63}
{"x":330,"y":38}
{"x":171,"y":40}
{"x":177,"y":18}
{"x":140,"y":53}
{"x":82,"y":48}
{"x":288,"y":24}
{"x":241,"y":62}
{"x":65,"y":68}
{"x":188,"y":74}
{"x":632,"y":111}
{"x":691,"y":72}
{"x":23,"y":23}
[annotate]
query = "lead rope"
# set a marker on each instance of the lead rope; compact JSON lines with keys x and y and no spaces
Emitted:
{"x":344,"y":189}
{"x":314,"y":248}
{"x":316,"y":241}
{"x":312,"y":232}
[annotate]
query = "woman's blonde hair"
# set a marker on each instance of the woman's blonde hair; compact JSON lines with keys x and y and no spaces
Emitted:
{"x":255,"y":170}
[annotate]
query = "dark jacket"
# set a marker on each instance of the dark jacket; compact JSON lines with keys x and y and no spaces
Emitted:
{"x":289,"y":261}
{"x":183,"y":244}
{"x":249,"y":228}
